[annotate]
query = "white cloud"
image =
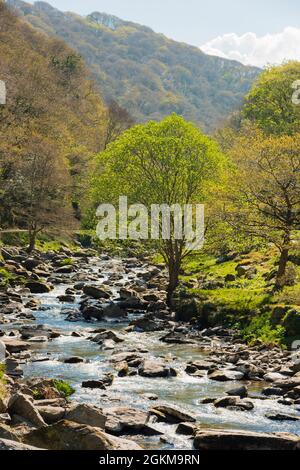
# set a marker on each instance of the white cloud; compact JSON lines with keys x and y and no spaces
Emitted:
{"x":253,"y":50}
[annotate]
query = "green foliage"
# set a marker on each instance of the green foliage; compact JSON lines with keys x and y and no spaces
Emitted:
{"x":261,"y":328}
{"x":64,"y":387}
{"x":149,"y":75}
{"x":269,"y":104}
{"x":66,"y":262}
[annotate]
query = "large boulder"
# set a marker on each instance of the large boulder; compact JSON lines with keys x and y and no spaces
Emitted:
{"x":86,"y":414}
{"x":21,"y":405}
{"x":125,"y":420}
{"x":14,"y":345}
{"x":67,"y":435}
{"x":226,"y":375}
{"x":96,"y":292}
{"x":154,"y":368}
{"x":171,"y":414}
{"x":51,"y":414}
{"x":217,"y":439}
{"x":37,"y":287}
{"x":6,"y":444}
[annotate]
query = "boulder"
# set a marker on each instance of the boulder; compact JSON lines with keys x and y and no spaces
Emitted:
{"x":217,"y":439}
{"x":241,"y":392}
{"x":154,"y":368}
{"x":282,"y":417}
{"x":95,"y":292}
{"x":37,"y":287}
{"x":171,"y":414}
{"x":234,"y":402}
{"x":74,"y":360}
{"x":186,"y":429}
{"x":86,"y":414}
{"x":6,"y":444}
{"x":15,"y":345}
{"x":67,"y":435}
{"x":226,"y":375}
{"x":108,"y":335}
{"x":20,"y":404}
{"x":125,"y":420}
{"x":51,"y":414}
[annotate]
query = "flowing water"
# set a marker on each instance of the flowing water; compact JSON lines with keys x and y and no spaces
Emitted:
{"x":183,"y":391}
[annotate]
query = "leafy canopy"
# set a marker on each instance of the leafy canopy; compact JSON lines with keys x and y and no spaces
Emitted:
{"x":269,"y":104}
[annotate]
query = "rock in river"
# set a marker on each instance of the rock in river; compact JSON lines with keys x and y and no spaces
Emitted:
{"x":67,"y":435}
{"x":217,"y":439}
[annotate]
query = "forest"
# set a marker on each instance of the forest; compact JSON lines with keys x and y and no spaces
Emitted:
{"x":135,"y":344}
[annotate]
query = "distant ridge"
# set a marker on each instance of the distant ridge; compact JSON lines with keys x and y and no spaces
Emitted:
{"x":147,"y":73}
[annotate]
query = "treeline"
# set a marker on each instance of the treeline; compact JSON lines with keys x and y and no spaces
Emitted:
{"x":52,"y":125}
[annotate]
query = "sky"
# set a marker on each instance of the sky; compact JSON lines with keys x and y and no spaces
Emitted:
{"x":255,"y":32}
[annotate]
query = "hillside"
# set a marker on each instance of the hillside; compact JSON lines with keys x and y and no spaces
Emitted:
{"x":147,"y":73}
{"x":51,"y":125}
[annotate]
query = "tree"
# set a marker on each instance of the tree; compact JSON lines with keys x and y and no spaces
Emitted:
{"x":170,"y":162}
{"x":270,"y":103}
{"x":118,"y":120}
{"x":266,"y":189}
{"x":41,"y":189}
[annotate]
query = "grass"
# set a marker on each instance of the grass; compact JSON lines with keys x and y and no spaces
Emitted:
{"x":244,"y":303}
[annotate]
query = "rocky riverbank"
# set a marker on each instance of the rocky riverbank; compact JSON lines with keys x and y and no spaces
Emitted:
{"x":112,"y":314}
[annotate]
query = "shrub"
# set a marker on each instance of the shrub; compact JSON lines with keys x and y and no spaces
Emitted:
{"x":64,"y":387}
{"x":261,"y":328}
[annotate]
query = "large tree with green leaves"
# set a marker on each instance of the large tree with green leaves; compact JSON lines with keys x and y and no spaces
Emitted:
{"x":270,"y":103}
{"x":266,"y":191}
{"x":170,"y":162}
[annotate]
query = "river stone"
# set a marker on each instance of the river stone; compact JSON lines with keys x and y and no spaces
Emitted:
{"x":154,"y":368}
{"x":123,"y":419}
{"x":217,"y":439}
{"x":95,"y":292}
{"x":234,"y":402}
{"x":74,"y":360}
{"x":282,"y":417}
{"x":6,"y":444}
{"x":86,"y":414}
{"x":273,"y":377}
{"x":287,"y":384}
{"x":20,"y":404}
{"x":171,"y":414}
{"x":51,"y":414}
{"x":108,"y":334}
{"x":15,"y":345}
{"x":94,"y":384}
{"x":186,"y":429}
{"x":67,"y":435}
{"x":241,"y":392}
{"x":226,"y":375}
{"x":37,"y":287}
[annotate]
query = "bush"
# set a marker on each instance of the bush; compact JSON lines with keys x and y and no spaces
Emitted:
{"x":261,"y":328}
{"x":64,"y":387}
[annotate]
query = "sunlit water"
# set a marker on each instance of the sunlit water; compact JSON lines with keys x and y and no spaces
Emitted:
{"x":184,"y":391}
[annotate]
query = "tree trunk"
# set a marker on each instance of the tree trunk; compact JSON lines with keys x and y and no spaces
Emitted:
{"x":173,"y":282}
{"x":283,"y":261}
{"x":32,"y":239}
{"x":284,"y":257}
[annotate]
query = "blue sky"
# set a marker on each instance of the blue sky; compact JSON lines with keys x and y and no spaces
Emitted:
{"x":201,"y":22}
